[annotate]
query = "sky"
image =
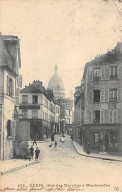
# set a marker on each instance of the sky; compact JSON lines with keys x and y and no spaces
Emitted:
{"x":66,"y":33}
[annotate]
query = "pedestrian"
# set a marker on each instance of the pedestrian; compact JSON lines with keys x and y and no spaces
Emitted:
{"x":88,"y":148}
{"x":37,"y":152}
{"x":27,"y":153}
{"x":34,"y":142}
{"x":31,"y":152}
{"x":55,"y":144}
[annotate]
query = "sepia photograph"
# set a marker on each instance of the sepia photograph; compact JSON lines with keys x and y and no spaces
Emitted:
{"x":60,"y":95}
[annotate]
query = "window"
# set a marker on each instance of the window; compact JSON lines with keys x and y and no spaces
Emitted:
{"x":112,"y":95}
{"x":9,"y":129}
{"x":34,"y":114}
{"x":96,"y":95}
{"x":24,"y":113}
{"x":113,"y":116}
{"x":24,"y":99}
{"x":89,"y":116}
{"x":114,"y":72}
{"x":10,"y":87}
{"x":97,"y":72}
{"x":96,"y":137}
{"x":96,"y":116}
{"x":104,"y":95}
{"x":35,"y":99}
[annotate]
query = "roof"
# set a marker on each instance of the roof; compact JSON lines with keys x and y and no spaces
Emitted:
{"x":115,"y":55}
{"x":36,"y":87}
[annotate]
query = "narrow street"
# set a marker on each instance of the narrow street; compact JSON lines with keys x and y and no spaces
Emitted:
{"x":62,"y":165}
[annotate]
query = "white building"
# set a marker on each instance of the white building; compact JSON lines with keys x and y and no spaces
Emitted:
{"x":9,"y":93}
{"x":37,"y":105}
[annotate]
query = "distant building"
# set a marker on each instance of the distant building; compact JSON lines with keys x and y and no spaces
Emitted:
{"x":102,"y":102}
{"x":10,"y":81}
{"x":66,"y":104}
{"x":56,"y":84}
{"x":37,"y":106}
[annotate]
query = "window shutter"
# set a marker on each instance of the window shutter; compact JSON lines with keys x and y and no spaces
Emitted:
{"x":7,"y":85}
{"x":115,"y":116}
{"x":90,"y":96}
{"x":119,"y":94}
{"x":103,"y":73}
{"x":106,"y":95}
{"x":107,"y":72}
{"x":12,"y":88}
{"x":90,"y":75}
{"x":106,"y":116}
{"x":111,"y":116}
{"x":119,"y":72}
{"x":102,"y":95}
{"x":102,"y":116}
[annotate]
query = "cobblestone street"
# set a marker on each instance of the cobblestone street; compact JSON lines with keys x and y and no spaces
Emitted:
{"x":63,"y":166}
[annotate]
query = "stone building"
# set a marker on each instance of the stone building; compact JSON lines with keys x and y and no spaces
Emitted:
{"x":103,"y":102}
{"x":37,"y":106}
{"x":56,"y":84}
{"x":9,"y":93}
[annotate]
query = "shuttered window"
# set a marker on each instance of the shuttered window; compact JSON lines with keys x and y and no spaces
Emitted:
{"x":113,"y":116}
{"x":103,"y":73}
{"x":107,"y":72}
{"x":106,"y":116}
{"x":102,"y":95}
{"x":106,"y":95}
{"x":10,"y":87}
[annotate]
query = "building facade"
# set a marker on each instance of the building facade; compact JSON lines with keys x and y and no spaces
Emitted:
{"x":37,"y":106}
{"x":103,"y":102}
{"x":9,"y":93}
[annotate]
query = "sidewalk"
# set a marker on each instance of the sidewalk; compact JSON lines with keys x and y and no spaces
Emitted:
{"x":79,"y":150}
{"x":11,"y":165}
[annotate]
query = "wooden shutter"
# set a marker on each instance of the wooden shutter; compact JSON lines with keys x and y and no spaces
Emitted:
{"x":102,"y":95}
{"x":106,"y":116}
{"x":110,"y":116}
{"x":103,"y":73}
{"x":115,"y":116}
{"x":119,"y":94}
{"x":12,"y":88}
{"x":107,"y":72}
{"x":90,"y":74}
{"x":106,"y":95}
{"x":102,"y":116}
{"x":7,"y":85}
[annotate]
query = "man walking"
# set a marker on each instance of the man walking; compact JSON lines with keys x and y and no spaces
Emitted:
{"x":31,"y":152}
{"x":37,"y":152}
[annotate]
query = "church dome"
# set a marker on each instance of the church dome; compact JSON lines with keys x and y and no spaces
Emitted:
{"x":56,"y":82}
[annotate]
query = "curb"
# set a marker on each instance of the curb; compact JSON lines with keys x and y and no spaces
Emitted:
{"x":110,"y":159}
{"x":18,"y":168}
